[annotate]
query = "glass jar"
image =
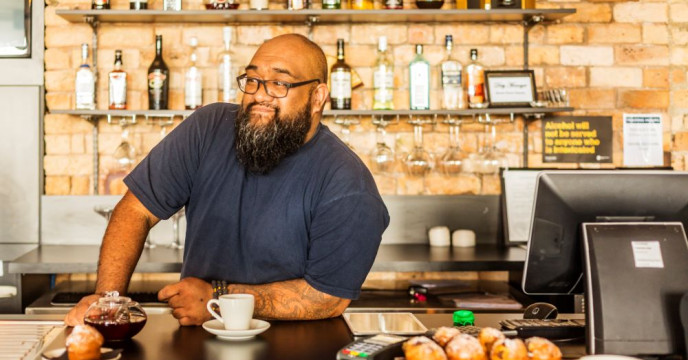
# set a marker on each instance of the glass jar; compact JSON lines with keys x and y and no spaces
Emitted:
{"x":116,"y":317}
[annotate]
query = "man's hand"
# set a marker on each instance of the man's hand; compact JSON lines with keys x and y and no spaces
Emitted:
{"x":188,"y":299}
{"x":76,"y":314}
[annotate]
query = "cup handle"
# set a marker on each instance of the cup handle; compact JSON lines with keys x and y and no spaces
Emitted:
{"x":212,"y":312}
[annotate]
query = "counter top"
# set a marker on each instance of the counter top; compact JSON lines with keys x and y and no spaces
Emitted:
{"x":9,"y":252}
{"x":163,"y":338}
{"x":49,"y":259}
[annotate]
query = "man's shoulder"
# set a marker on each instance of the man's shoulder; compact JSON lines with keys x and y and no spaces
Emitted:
{"x":215,"y":113}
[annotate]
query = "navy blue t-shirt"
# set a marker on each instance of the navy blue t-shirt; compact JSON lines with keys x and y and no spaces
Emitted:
{"x":317,"y":216}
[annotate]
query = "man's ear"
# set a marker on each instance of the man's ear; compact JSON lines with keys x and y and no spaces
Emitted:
{"x":321,"y":94}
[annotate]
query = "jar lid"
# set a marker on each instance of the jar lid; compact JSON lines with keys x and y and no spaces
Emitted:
{"x":464,"y":318}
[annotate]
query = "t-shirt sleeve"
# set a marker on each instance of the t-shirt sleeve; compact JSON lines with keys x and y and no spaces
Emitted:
{"x":163,"y":179}
{"x":345,"y":236}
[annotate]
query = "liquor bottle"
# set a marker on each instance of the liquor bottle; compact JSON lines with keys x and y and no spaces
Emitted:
{"x":361,"y":4}
{"x":475,"y":81}
{"x":340,"y":81}
{"x":258,"y":4}
{"x":429,"y":4}
{"x":138,"y":4}
{"x":172,"y":5}
{"x":223,"y":4}
{"x":100,"y":4}
{"x":393,"y":4}
{"x":298,"y":4}
{"x":192,"y":81}
{"x":158,"y":79}
{"x":117,"y":85}
{"x":419,"y":81}
{"x":84,"y":84}
{"x":331,"y":4}
{"x":451,"y":73}
{"x":225,"y":85}
{"x":383,"y":78}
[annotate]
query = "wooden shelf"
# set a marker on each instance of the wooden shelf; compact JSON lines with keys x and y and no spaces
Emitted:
{"x":313,"y":16}
{"x":338,"y":113}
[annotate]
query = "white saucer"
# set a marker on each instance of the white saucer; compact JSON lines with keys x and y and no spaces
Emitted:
{"x":218,"y":328}
{"x":57,"y":352}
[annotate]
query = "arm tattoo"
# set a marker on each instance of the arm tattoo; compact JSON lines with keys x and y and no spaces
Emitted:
{"x":291,"y":300}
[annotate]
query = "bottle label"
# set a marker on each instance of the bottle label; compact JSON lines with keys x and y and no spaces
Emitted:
{"x":331,"y":3}
{"x":118,"y":89}
{"x":100,"y":2}
{"x":476,"y":88}
{"x":420,"y":86}
{"x":394,"y":4}
{"x":85,"y":89}
{"x":192,"y":89}
{"x":383,"y":82}
{"x":296,"y":4}
{"x":341,"y":85}
{"x":156,"y":79}
{"x":451,"y":77}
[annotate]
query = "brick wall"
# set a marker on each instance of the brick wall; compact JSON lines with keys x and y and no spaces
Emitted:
{"x":614,"y":56}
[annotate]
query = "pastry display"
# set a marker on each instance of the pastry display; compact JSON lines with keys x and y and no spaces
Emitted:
{"x":465,"y":347}
{"x":509,"y":349}
{"x":488,"y":336}
{"x":84,"y":343}
{"x":444,"y":334}
{"x":542,"y":349}
{"x":422,"y":348}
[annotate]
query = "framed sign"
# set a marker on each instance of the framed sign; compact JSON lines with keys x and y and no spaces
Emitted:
{"x":510,"y":88}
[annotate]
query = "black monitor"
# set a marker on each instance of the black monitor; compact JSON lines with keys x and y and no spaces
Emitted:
{"x":565,"y":199}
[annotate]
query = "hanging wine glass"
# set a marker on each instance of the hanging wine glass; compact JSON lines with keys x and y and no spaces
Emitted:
{"x":453,"y":160}
{"x":382,"y":158}
{"x":345,"y":122}
{"x":125,"y":153}
{"x":418,"y":162}
{"x":491,"y":160}
{"x":176,"y":239}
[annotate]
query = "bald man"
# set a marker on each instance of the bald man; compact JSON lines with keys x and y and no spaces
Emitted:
{"x":276,"y":205}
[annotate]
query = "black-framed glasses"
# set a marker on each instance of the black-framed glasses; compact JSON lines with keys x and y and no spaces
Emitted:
{"x":274,"y":88}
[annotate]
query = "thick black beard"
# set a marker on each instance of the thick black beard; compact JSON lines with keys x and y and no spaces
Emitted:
{"x":260,"y":148}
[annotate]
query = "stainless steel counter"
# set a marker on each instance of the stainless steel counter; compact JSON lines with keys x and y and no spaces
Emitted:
{"x":50,"y":259}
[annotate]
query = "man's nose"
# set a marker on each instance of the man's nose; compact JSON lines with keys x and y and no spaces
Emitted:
{"x":262,"y":94}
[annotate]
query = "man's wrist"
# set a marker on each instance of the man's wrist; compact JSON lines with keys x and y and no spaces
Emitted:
{"x":219,"y":288}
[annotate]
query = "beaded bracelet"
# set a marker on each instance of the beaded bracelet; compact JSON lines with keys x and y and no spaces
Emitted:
{"x":219,"y":288}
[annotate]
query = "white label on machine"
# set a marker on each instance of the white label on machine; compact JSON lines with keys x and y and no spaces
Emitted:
{"x":647,"y":254}
{"x":2,"y":268}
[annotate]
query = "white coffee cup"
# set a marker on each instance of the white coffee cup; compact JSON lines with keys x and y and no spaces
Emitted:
{"x":439,"y":236}
{"x":236,"y":310}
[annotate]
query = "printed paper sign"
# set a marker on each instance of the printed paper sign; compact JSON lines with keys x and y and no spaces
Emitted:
{"x":2,"y":269}
{"x":647,"y":254}
{"x":642,"y":134}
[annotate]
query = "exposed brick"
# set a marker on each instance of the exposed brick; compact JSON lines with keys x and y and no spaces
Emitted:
{"x":51,"y":18}
{"x":207,"y":35}
{"x":57,"y":185}
{"x":681,"y":98}
{"x":587,"y":55}
{"x":463,"y":184}
{"x":420,"y":34}
{"x":57,"y":58}
{"x":370,"y":34}
{"x":678,"y":76}
{"x":59,"y":80}
{"x":655,"y":34}
{"x":681,"y":141}
{"x":57,"y":144}
{"x":656,"y":78}
{"x":466,"y":34}
{"x":506,"y":34}
{"x":80,"y":185}
{"x":644,"y":99}
{"x":616,"y":77}
{"x":589,"y":13}
{"x":111,"y":36}
{"x":361,"y":55}
{"x":592,"y":99}
{"x":679,"y":34}
{"x":565,"y":77}
{"x":642,"y":55}
{"x":678,"y":12}
{"x":614,"y":33}
{"x":640,"y":12}
{"x":59,"y":100}
{"x":73,"y":35}
{"x":256,"y":35}
{"x":679,"y":56}
{"x":491,"y":185}
{"x":55,"y":164}
{"x":328,"y":34}
{"x":565,"y":34}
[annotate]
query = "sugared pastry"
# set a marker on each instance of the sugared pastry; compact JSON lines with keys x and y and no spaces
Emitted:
{"x":422,"y":348}
{"x":444,"y":334}
{"x":488,"y":336}
{"x":465,"y":347}
{"x":84,"y":343}
{"x":542,"y":349}
{"x":509,"y":349}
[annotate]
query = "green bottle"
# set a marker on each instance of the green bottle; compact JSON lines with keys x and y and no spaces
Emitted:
{"x":419,"y":81}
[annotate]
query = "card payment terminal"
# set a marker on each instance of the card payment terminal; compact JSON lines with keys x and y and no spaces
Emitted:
{"x":378,"y":347}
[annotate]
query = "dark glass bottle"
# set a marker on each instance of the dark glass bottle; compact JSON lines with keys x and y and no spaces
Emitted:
{"x":340,"y":81}
{"x":138,"y":4}
{"x":158,"y":79}
{"x":100,"y":4}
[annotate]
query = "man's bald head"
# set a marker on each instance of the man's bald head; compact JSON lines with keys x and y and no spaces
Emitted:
{"x":308,"y":52}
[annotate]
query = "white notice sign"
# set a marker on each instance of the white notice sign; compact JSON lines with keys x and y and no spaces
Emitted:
{"x":519,"y":193}
{"x":647,"y":254}
{"x":642,"y":134}
{"x":2,"y":269}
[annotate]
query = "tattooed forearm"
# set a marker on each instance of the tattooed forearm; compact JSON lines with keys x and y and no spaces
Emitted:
{"x":291,"y":300}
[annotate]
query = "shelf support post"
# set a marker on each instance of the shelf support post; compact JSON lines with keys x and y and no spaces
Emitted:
{"x":527,"y":25}
{"x":312,"y":20}
{"x":96,"y":161}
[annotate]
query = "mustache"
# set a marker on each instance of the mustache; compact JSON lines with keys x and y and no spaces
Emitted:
{"x":251,"y":105}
